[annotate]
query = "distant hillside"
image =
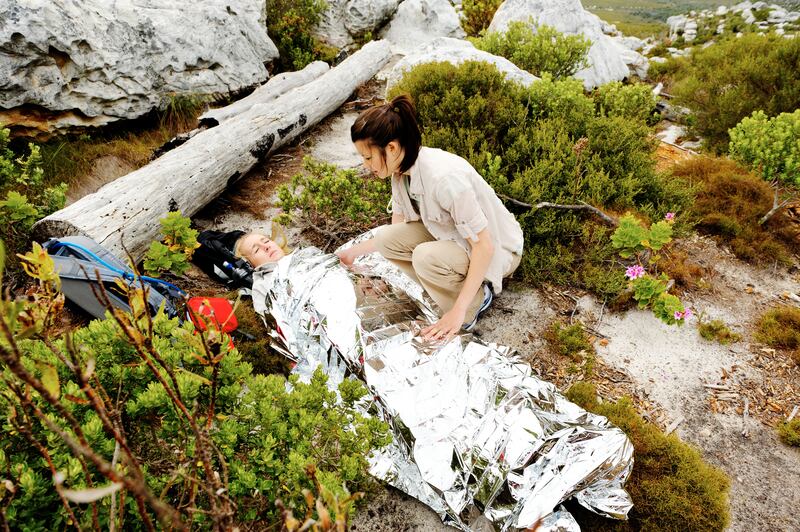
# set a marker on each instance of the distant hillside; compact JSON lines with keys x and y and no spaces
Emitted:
{"x":648,"y":17}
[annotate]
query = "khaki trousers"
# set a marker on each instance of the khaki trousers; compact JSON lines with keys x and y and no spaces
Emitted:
{"x":440,"y":266}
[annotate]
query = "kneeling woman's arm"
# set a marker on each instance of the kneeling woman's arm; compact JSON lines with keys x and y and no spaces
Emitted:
{"x":452,"y":320}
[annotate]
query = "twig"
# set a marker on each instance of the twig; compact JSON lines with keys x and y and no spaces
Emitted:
{"x":717,"y":387}
{"x":745,"y":414}
{"x":794,"y":413}
{"x":583,"y":206}
{"x":674,"y":425}
{"x":112,"y":514}
{"x":775,"y":207}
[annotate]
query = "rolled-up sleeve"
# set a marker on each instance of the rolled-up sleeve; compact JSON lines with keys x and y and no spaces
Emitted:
{"x":458,"y":198}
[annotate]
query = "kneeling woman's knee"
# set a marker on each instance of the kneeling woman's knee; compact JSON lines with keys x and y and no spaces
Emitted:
{"x":424,"y":257}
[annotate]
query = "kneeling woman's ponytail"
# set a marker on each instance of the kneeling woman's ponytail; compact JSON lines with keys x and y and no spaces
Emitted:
{"x":396,"y":120}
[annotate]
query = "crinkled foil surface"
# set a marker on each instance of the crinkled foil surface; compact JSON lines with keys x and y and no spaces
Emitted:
{"x":475,"y":433}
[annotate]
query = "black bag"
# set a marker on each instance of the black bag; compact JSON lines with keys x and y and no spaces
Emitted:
{"x":80,"y":260}
{"x":215,"y":257}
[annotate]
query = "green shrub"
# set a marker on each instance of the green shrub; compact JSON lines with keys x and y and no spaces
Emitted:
{"x":769,"y":146}
{"x":728,"y":205}
{"x":671,"y":486}
{"x":175,"y":251}
{"x":25,"y":199}
{"x":476,"y":15}
{"x":545,"y":143}
{"x":334,"y":201}
{"x":181,"y":402}
{"x":635,"y":101}
{"x":780,"y":328}
{"x":724,"y":83}
{"x":290,"y":24}
{"x":790,"y":432}
{"x":716,"y":330}
{"x":538,"y":49}
{"x":571,"y":341}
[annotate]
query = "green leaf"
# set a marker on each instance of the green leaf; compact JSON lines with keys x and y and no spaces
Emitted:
{"x":660,"y":235}
{"x":50,"y":379}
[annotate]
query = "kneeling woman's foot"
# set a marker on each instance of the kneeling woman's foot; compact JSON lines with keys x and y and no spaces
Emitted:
{"x":487,"y":301}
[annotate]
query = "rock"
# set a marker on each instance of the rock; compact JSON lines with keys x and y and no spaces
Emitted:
{"x":748,"y":16}
{"x":676,"y":24}
{"x":721,"y":10}
{"x":362,"y":16}
{"x":88,"y":63}
{"x":608,"y":60}
{"x":456,"y":51}
{"x":631,"y":43}
{"x":418,"y":22}
{"x":343,"y":21}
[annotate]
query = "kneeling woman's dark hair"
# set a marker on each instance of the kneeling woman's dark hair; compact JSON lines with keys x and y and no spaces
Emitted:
{"x":396,"y":120}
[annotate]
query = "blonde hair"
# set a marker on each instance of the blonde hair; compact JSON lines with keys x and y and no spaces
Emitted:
{"x":277,"y":235}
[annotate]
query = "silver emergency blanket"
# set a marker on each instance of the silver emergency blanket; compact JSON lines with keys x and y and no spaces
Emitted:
{"x":475,"y":433}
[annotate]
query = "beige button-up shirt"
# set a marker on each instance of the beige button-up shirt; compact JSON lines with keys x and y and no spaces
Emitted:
{"x":456,"y":203}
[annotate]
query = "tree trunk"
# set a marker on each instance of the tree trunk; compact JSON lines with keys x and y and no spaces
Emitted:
{"x":276,"y":87}
{"x":124,"y":214}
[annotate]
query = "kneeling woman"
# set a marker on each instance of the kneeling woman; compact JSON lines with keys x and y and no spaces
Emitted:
{"x":449,"y":229}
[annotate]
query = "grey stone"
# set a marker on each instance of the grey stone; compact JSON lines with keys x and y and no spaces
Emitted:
{"x":94,"y":62}
{"x":418,"y":22}
{"x":608,"y":60}
{"x":456,"y":51}
{"x":345,"y":20}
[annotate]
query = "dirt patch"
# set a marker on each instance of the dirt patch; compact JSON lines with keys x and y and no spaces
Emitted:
{"x":104,"y":170}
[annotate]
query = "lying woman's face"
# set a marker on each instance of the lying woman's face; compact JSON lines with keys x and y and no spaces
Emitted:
{"x":259,"y":249}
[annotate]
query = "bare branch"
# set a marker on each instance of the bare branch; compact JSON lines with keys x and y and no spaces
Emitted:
{"x":583,"y":206}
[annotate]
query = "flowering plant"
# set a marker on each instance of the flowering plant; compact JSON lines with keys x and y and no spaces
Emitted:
{"x":639,"y":242}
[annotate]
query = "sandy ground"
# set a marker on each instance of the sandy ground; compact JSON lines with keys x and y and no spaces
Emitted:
{"x":666,"y":368}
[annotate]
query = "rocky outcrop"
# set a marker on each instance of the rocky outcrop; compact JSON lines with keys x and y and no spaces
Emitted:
{"x":344,"y":21}
{"x":456,"y":51}
{"x":709,"y":22}
{"x":418,"y":22}
{"x":608,"y":59}
{"x":73,"y":64}
{"x":406,"y":24}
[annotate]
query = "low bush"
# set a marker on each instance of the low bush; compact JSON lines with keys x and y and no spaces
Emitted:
{"x":729,"y":203}
{"x":546,"y":143}
{"x":571,"y":341}
{"x":290,"y":24}
{"x":337,"y":203}
{"x":769,"y":146}
{"x":724,"y":83}
{"x":790,"y":432}
{"x":635,"y":101}
{"x":780,"y":328}
{"x":538,"y":49}
{"x":716,"y":330}
{"x":671,"y":486}
{"x":25,"y":198}
{"x":476,"y":15}
{"x":204,"y":441}
{"x":175,"y":250}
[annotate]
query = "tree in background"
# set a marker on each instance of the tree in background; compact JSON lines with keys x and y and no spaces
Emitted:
{"x":476,"y":15}
{"x":290,"y":24}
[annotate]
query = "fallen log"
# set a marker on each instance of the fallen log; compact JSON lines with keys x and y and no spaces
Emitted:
{"x":276,"y":87}
{"x":124,"y":214}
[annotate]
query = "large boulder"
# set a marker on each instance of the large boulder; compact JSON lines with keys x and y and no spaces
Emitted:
{"x":344,"y":21}
{"x":418,"y":22}
{"x":88,"y":63}
{"x":608,"y":60}
{"x":456,"y":51}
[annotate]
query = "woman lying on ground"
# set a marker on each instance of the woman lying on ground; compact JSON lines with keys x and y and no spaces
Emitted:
{"x":449,"y":229}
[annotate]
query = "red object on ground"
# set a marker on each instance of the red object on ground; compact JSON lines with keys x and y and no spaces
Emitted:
{"x":219,"y":311}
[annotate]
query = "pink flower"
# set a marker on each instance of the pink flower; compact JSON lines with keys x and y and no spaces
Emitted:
{"x":678,"y":315}
{"x":669,"y":216}
{"x":687,"y":313}
{"x":634,"y":272}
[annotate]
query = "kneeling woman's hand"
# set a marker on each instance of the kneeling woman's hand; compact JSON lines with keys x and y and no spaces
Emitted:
{"x":447,"y":326}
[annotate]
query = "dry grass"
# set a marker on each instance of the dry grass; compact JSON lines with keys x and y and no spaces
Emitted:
{"x":729,"y":202}
{"x":779,"y":328}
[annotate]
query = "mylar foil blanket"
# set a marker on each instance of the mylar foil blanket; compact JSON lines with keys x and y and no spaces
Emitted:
{"x":474,"y":431}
